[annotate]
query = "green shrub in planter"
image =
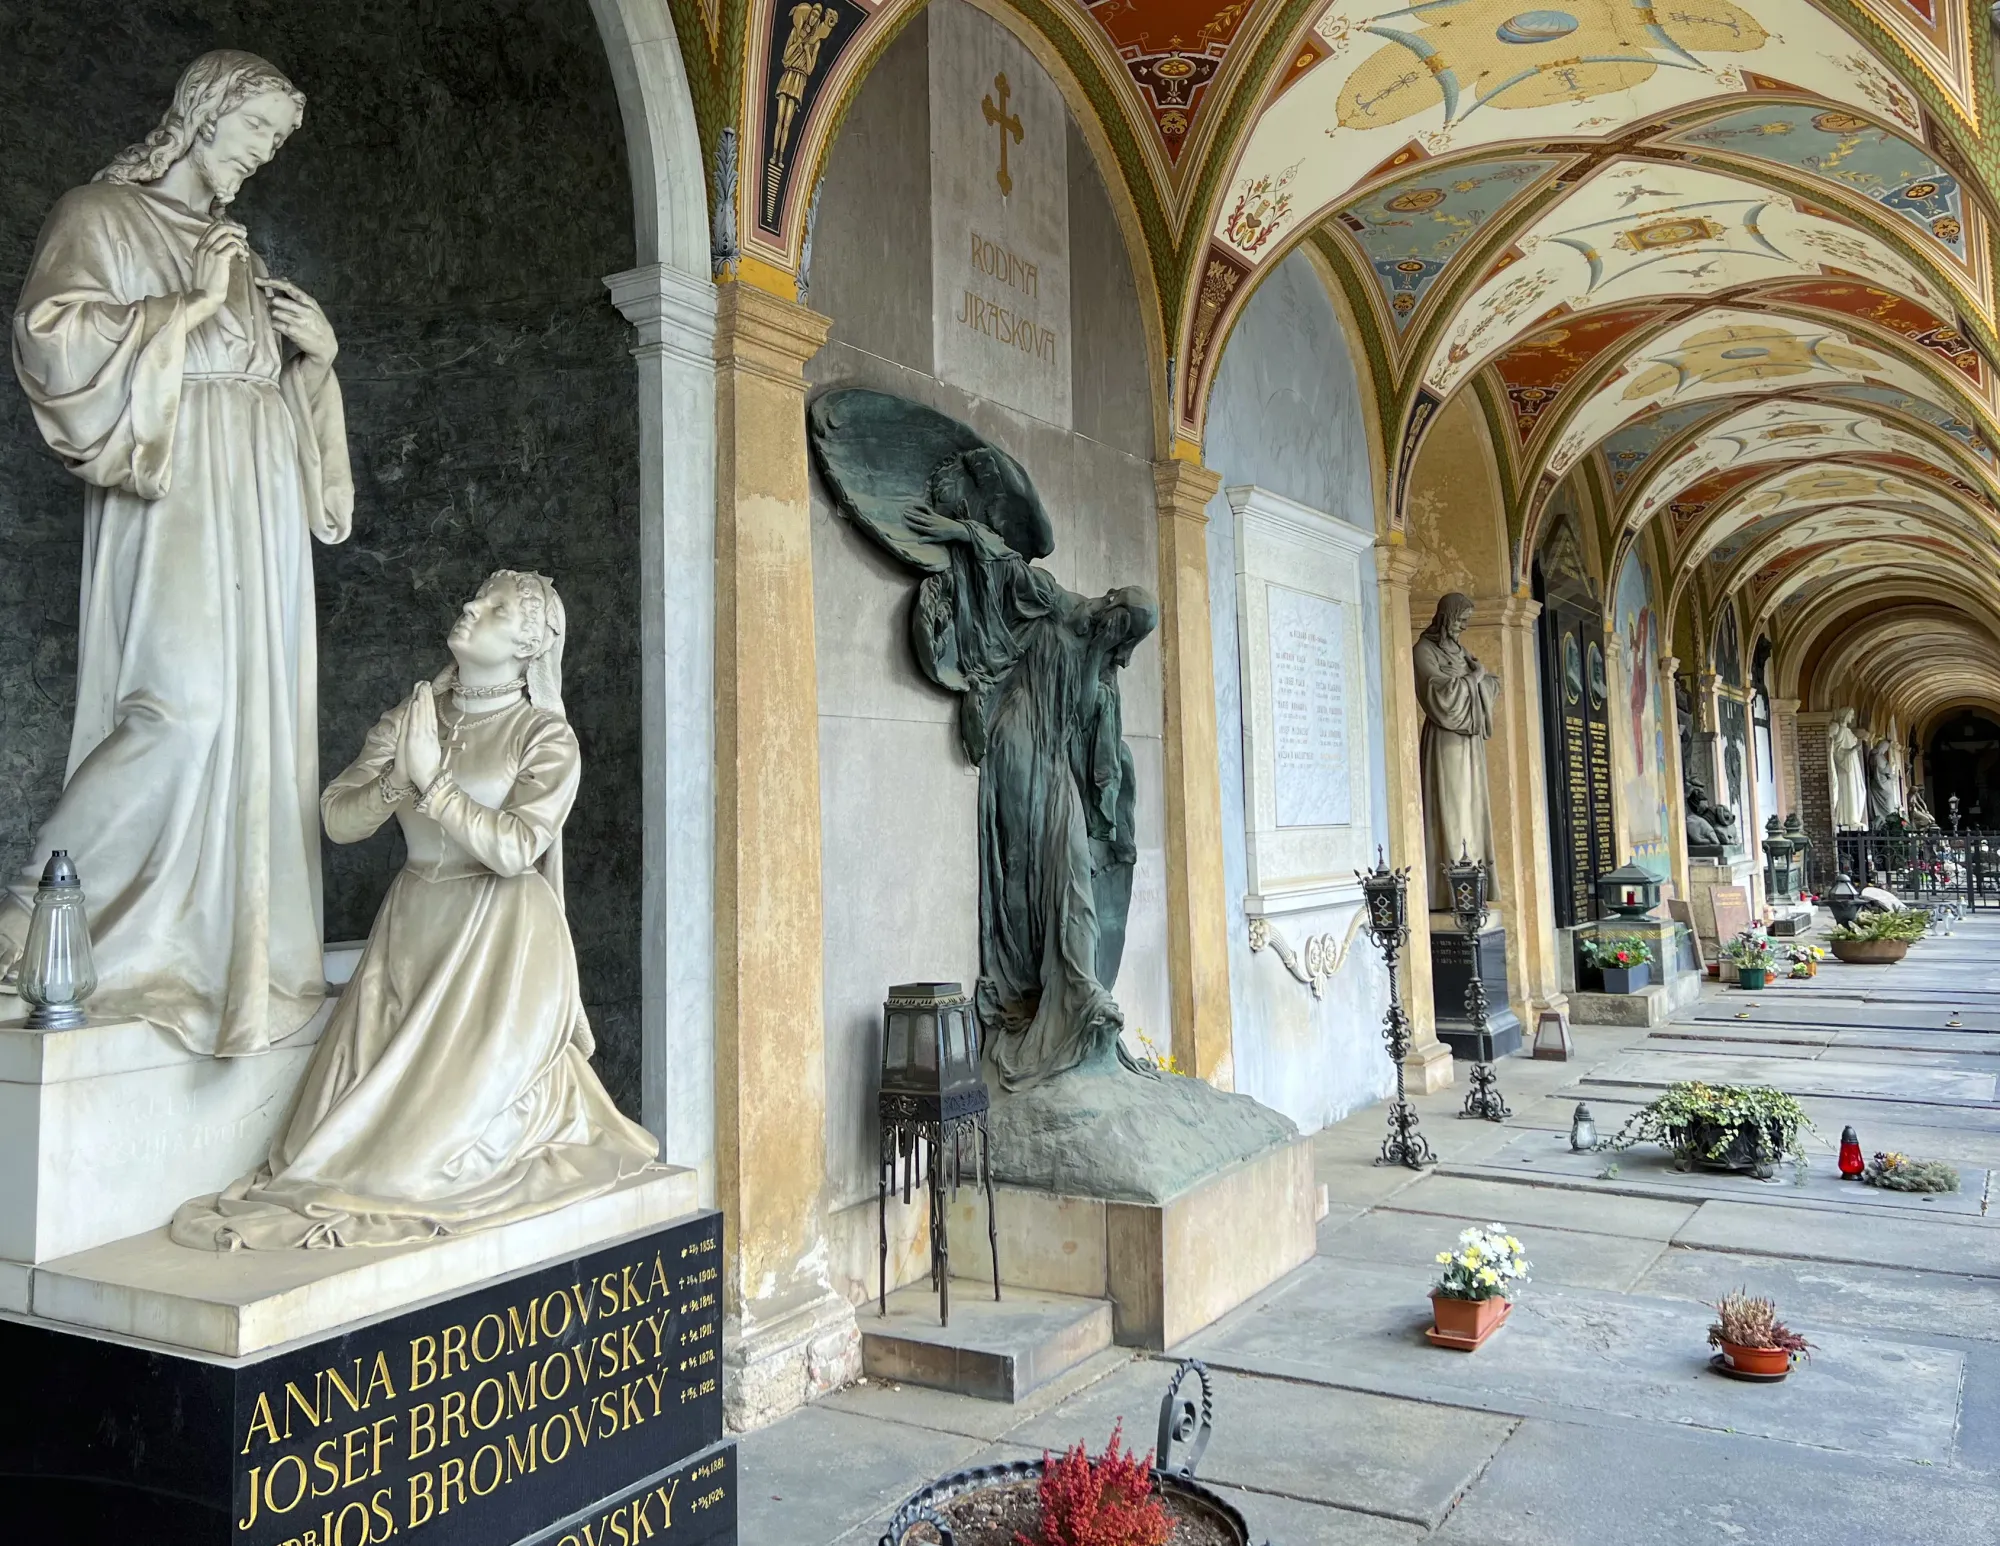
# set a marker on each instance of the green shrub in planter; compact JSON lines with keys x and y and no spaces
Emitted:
{"x":1726,"y":1126}
{"x":1908,"y":926}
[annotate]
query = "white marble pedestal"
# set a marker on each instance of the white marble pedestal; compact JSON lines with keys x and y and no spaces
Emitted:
{"x":106,"y":1129}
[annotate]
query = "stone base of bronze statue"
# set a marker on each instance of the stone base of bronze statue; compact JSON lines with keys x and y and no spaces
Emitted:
{"x":582,"y":1394}
{"x":1452,"y":964}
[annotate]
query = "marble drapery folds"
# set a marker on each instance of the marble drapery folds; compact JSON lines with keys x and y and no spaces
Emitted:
{"x":1457,"y":694}
{"x":1847,"y":774}
{"x":209,"y":457}
{"x":452,"y":1090}
{"x":1035,"y":670}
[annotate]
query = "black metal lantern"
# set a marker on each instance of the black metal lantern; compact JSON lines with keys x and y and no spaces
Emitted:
{"x":930,"y":1049}
{"x":1385,"y":904}
{"x":1385,"y":893}
{"x":1468,"y":892}
{"x":1844,"y":900}
{"x":932,"y":1100}
{"x":1628,"y":892}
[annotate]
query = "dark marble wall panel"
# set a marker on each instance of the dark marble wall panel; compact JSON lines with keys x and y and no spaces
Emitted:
{"x":456,"y":194}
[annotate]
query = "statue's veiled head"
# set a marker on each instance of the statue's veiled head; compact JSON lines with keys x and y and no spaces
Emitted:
{"x":231,"y":112}
{"x":1121,"y":619}
{"x":986,"y":485}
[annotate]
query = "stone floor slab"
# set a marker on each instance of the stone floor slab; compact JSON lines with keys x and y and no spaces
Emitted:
{"x":949,"y":1412}
{"x":1928,"y":1245}
{"x":1558,"y":1484}
{"x":994,"y":1349}
{"x":821,"y":1472}
{"x":1392,"y":1238}
{"x":1812,"y":1294}
{"x":1819,"y":1076}
{"x":1646,"y":1170}
{"x":1454,"y":1197}
{"x":1563,"y":1349}
{"x":1405,"y":1460}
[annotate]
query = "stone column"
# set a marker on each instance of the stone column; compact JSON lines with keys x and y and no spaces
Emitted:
{"x":674,"y":314}
{"x":787,"y":1335}
{"x":1676,"y":776}
{"x":1197,"y":902}
{"x":1816,"y":796}
{"x":1785,"y":752}
{"x":1428,"y":1067}
{"x":1502,"y":634}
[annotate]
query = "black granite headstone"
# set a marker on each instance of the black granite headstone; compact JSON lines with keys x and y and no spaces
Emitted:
{"x":514,"y":1412}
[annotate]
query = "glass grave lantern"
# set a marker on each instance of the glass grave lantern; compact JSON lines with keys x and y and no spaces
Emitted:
{"x":930,"y":1049}
{"x":56,"y":971}
{"x":1627,"y":892}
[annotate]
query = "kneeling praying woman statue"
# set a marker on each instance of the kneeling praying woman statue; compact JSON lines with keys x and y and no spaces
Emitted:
{"x":452,"y":1090}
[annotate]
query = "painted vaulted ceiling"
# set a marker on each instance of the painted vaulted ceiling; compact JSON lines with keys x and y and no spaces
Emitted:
{"x":1674,"y":251}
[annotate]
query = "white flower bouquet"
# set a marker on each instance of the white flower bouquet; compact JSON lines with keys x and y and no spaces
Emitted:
{"x":1487,"y":1264}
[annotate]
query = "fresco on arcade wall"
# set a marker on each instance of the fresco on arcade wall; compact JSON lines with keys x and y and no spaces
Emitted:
{"x":1636,"y":616}
{"x":1641,"y":229}
{"x":1935,"y":414}
{"x":1627,"y":453}
{"x":1376,"y":77}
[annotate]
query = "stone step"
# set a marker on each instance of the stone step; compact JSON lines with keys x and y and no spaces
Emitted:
{"x":996,"y":1351}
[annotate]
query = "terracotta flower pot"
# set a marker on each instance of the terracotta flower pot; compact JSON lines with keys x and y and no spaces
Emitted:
{"x":1465,"y":1323}
{"x":1870,"y":952}
{"x":1757,"y":1360}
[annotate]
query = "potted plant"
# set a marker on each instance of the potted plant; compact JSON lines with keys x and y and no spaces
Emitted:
{"x":1722,"y":1127}
{"x":1751,"y":1340}
{"x":1753,"y":956}
{"x":1471,"y":1299}
{"x":1116,"y":1499}
{"x":1805,"y":960}
{"x":1624,"y":959}
{"x":1878,"y":938}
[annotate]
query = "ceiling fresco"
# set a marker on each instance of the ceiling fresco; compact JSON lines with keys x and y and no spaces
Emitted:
{"x":1935,"y":414}
{"x":1639,"y":228}
{"x":1627,"y":451}
{"x":1784,"y":431}
{"x":1938,"y":35}
{"x":1173,"y":51}
{"x":1455,"y":74}
{"x":1535,"y":371}
{"x":1408,"y":231}
{"x":1721,"y":351}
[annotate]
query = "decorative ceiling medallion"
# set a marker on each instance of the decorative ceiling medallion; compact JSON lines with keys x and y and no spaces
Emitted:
{"x":1658,"y":235}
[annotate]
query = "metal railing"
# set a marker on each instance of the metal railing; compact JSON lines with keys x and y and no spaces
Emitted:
{"x":1924,"y":869}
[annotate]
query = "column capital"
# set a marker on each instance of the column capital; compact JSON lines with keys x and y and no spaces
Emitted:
{"x":673,"y":312}
{"x":1513,"y":611}
{"x":1784,"y":705}
{"x":1669,"y":664}
{"x":1396,"y":563}
{"x":765,"y":334}
{"x":1184,"y":489}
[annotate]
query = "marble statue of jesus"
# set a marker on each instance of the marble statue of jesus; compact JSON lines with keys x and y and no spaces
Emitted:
{"x":194,"y":396}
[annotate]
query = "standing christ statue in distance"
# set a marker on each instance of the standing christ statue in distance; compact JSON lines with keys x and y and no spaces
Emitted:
{"x":194,"y":396}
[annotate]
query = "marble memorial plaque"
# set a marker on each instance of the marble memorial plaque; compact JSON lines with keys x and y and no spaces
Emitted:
{"x":1732,"y":912}
{"x":999,"y":217}
{"x":1308,"y":641}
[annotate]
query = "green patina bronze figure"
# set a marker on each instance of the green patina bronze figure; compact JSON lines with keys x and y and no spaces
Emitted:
{"x":1035,"y":668}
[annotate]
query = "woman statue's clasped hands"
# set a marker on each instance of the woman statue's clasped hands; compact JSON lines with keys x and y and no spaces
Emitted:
{"x":453,"y":1088}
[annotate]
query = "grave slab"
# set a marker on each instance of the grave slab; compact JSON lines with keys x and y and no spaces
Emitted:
{"x":1931,"y":1245}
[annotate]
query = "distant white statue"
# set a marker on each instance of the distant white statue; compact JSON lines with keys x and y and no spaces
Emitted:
{"x":1847,"y":779}
{"x":1457,"y":694}
{"x":1885,"y":792}
{"x":452,"y":1090}
{"x":195,"y":398}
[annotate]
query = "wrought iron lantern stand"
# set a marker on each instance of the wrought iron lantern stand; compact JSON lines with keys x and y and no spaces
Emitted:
{"x":933,"y":1098}
{"x":1468,"y":906}
{"x":1385,"y":905}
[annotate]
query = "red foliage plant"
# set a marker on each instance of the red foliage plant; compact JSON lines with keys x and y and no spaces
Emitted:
{"x":1103,"y":1502}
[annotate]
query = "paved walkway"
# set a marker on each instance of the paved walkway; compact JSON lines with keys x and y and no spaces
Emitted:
{"x":1591,"y":1418}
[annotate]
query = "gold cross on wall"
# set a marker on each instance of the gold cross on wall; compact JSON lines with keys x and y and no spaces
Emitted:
{"x":1009,"y":123}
